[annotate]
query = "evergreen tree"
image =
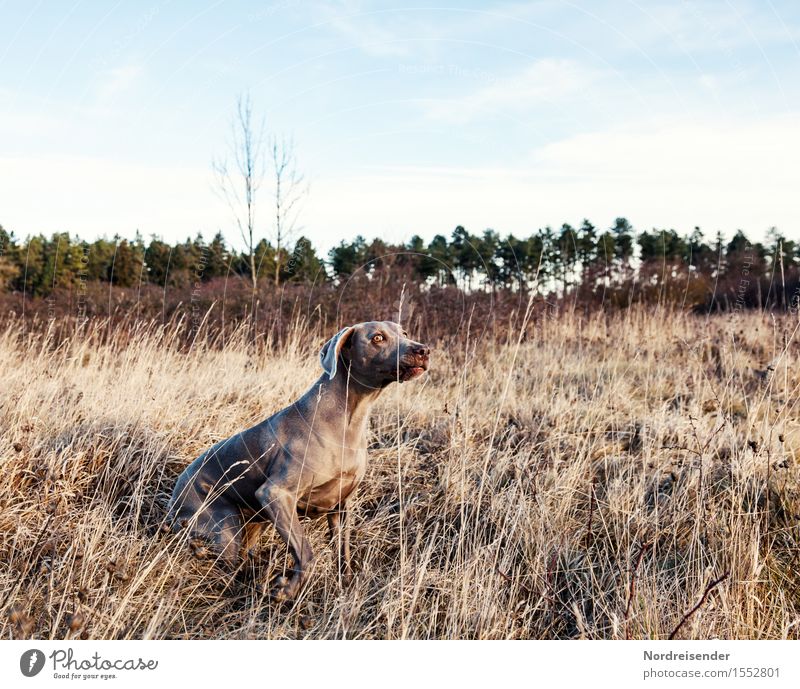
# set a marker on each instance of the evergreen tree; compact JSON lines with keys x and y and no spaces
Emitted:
{"x":125,"y":269}
{"x":304,"y":265}
{"x":98,"y":258}
{"x":9,"y":267}
{"x":465,"y":255}
{"x":623,"y":234}
{"x":54,"y":251}
{"x":551,"y":260}
{"x":604,"y":256}
{"x":532,"y":264}
{"x":424,"y":266}
{"x":780,"y":250}
{"x":487,"y":251}
{"x":441,"y":259}
{"x":218,"y":259}
{"x":158,"y":261}
{"x":31,"y":276}
{"x":348,"y":257}
{"x":512,"y":259}
{"x":265,"y":259}
{"x":781,"y":264}
{"x":587,"y":246}
{"x":701,"y":256}
{"x":375,"y":256}
{"x":567,"y":253}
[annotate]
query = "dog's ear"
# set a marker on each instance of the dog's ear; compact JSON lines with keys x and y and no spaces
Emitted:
{"x":329,"y":354}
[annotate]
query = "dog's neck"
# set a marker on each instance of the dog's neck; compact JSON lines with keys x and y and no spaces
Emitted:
{"x":342,"y":396}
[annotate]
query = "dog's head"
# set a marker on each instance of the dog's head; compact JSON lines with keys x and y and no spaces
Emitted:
{"x":375,"y":354}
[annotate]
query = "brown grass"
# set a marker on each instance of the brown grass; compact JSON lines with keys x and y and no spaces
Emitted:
{"x":592,"y":481}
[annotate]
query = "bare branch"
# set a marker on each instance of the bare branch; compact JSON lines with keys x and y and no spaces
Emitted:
{"x":240,"y":176}
{"x":289,"y":191}
{"x":239,"y":186}
{"x":632,"y":588}
{"x":711,"y":586}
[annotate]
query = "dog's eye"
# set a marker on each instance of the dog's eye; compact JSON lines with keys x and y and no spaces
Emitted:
{"x":377,"y":339}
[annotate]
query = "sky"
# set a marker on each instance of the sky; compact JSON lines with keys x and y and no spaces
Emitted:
{"x":407,"y":119}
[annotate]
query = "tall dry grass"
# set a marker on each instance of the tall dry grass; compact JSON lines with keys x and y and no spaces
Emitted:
{"x":591,"y":481}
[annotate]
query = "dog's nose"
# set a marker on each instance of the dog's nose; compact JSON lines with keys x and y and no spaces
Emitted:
{"x":422,"y":350}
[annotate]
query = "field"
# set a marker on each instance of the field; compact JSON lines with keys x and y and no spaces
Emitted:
{"x":627,"y":475}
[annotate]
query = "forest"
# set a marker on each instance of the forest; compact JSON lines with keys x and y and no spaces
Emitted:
{"x":617,"y":265}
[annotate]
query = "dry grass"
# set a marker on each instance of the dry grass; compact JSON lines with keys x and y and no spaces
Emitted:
{"x":590,"y":482}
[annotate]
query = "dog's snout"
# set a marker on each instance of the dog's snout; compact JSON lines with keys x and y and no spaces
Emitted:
{"x":421,"y":350}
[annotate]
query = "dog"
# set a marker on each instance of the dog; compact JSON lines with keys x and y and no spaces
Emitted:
{"x":305,"y":460}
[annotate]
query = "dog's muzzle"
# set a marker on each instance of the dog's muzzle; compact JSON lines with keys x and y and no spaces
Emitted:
{"x":412,"y":366}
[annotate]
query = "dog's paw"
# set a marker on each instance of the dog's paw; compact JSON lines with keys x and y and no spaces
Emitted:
{"x":283,"y":590}
{"x":199,"y":545}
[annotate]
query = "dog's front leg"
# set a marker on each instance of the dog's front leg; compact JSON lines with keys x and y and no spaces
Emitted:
{"x":339,"y":529}
{"x":281,"y":508}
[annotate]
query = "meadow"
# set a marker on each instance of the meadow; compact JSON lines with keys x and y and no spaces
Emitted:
{"x":630,"y":474}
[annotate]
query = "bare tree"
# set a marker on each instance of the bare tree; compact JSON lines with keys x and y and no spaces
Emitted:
{"x":239,"y":185}
{"x":290,"y":189}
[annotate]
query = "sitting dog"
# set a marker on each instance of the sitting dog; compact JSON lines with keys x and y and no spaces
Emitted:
{"x":306,"y":459}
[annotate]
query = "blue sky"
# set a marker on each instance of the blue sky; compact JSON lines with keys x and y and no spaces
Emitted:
{"x":509,"y":115}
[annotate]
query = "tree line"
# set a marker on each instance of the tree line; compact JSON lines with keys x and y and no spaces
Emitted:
{"x":39,"y":265}
{"x":591,"y":263}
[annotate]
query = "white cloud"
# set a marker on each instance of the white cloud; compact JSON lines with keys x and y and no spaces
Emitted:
{"x":677,"y":175}
{"x":713,"y":154}
{"x":720,"y":176}
{"x":92,"y":197}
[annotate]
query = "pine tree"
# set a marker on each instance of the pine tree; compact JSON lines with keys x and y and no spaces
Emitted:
{"x":304,"y":265}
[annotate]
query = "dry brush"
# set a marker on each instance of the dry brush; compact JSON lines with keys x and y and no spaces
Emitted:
{"x":619,"y":476}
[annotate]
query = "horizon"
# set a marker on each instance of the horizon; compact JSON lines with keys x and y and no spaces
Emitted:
{"x":510,"y":116}
{"x":708,"y":237}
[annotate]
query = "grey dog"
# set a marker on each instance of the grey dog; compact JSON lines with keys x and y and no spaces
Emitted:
{"x":304,"y":460}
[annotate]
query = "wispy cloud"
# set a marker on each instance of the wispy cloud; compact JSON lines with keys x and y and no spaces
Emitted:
{"x":678,"y":174}
{"x":544,"y":82}
{"x":116,"y":81}
{"x":537,"y":111}
{"x":701,"y":26}
{"x":760,"y":155}
{"x":372,"y":35}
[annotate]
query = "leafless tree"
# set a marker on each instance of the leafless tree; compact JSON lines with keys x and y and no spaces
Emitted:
{"x":290,"y":189}
{"x":238,"y":183}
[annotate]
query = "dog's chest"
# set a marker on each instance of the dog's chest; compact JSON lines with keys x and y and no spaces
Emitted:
{"x":332,"y":488}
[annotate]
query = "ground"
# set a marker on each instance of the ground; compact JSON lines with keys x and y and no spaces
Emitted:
{"x":627,"y":475}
